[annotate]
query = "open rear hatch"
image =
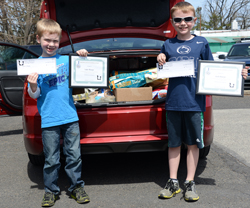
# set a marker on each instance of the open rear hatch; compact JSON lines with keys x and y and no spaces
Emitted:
{"x":88,"y":20}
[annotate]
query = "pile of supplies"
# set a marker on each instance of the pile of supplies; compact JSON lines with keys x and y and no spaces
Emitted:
{"x":124,"y":86}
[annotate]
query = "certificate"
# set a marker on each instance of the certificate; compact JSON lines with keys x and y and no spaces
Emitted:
{"x":90,"y":71}
{"x":175,"y":69}
{"x":220,"y":78}
{"x":41,"y":66}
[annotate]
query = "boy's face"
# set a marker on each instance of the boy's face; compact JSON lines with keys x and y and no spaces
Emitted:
{"x":183,"y":27}
{"x":49,"y":43}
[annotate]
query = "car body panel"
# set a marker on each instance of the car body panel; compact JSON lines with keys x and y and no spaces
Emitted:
{"x":103,"y":126}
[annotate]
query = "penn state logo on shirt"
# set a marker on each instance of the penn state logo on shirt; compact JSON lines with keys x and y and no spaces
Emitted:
{"x":183,"y":49}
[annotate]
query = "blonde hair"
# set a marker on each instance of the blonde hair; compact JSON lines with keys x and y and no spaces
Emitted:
{"x":48,"y":25}
{"x":184,"y":7}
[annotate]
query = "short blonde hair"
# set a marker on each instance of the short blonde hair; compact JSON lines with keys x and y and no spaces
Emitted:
{"x":48,"y":25}
{"x":184,"y":7}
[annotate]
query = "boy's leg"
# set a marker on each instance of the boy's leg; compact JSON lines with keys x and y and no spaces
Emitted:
{"x":174,"y":160}
{"x":174,"y":142}
{"x":51,"y":149}
{"x":174,"y":126}
{"x":194,"y":123}
{"x":73,"y":167}
{"x":71,"y":149}
{"x":192,"y":161}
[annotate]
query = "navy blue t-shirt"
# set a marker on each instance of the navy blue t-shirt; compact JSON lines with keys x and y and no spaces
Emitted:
{"x":181,"y":95}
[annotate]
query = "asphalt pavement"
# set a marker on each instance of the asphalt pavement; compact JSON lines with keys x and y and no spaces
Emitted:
{"x":231,"y":121}
{"x":134,"y":180}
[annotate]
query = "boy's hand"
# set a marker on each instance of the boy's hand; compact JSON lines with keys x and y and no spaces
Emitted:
{"x":244,"y":72}
{"x":161,"y":58}
{"x":32,"y":79}
{"x":82,"y":52}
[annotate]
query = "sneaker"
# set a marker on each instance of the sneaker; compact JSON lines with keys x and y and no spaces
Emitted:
{"x":49,"y":199}
{"x":171,"y":189}
{"x":190,"y":191}
{"x":80,"y":195}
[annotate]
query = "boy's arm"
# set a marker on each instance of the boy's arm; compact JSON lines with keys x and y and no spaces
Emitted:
{"x":33,"y":90}
{"x":82,"y":52}
{"x":244,"y":72}
{"x":35,"y":94}
{"x":161,"y":58}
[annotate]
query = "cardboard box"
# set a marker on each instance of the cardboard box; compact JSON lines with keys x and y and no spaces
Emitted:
{"x":133,"y":94}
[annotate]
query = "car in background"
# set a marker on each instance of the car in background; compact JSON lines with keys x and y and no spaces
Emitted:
{"x":131,"y":40}
{"x":240,"y":52}
{"x":11,"y":85}
{"x":217,"y":54}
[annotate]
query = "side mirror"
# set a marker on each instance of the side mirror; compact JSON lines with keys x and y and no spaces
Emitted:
{"x":222,"y":56}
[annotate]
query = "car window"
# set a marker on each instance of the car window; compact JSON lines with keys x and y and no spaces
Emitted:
{"x":10,"y":54}
{"x":114,"y":44}
{"x":240,"y":50}
{"x":35,"y":48}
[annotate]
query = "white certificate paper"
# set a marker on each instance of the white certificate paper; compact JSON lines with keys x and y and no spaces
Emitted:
{"x":41,"y":66}
{"x":88,"y":71}
{"x":220,"y":78}
{"x":176,"y":69}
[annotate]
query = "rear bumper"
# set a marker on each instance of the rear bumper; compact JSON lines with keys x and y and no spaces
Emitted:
{"x":143,"y":143}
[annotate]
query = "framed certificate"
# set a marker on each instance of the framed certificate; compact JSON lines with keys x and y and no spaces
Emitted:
{"x":88,"y":72}
{"x":220,"y":78}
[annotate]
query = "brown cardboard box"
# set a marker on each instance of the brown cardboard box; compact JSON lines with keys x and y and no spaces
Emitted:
{"x":133,"y":94}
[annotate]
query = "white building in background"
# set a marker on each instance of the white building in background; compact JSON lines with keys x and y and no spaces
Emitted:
{"x":223,"y":33}
{"x":234,"y":32}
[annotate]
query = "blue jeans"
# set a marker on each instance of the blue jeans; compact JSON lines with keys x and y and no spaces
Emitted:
{"x":71,"y":149}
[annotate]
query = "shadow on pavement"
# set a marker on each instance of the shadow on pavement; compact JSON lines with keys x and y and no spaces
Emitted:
{"x":123,"y":169}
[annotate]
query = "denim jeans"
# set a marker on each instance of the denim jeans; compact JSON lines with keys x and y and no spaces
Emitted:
{"x":71,"y":150}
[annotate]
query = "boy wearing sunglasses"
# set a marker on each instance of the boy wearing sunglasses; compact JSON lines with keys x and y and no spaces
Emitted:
{"x":184,"y":107}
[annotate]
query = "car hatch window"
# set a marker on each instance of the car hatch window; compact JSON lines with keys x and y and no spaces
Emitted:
{"x":109,"y":44}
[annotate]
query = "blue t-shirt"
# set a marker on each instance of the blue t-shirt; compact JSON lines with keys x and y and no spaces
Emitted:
{"x":55,"y":103}
{"x":181,"y":94}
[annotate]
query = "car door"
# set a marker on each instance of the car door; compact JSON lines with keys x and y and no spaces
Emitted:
{"x":11,"y":85}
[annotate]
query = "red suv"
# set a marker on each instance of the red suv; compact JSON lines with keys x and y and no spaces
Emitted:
{"x":131,"y":34}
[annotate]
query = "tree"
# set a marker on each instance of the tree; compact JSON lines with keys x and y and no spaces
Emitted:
{"x":219,"y":14}
{"x":17,"y":21}
{"x":244,"y":18}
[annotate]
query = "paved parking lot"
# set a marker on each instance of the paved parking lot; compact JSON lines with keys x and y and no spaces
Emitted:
{"x":134,"y":180}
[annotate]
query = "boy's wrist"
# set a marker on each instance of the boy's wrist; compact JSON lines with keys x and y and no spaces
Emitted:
{"x":33,"y":87}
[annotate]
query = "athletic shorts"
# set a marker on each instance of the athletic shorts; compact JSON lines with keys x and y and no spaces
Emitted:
{"x":185,"y":127}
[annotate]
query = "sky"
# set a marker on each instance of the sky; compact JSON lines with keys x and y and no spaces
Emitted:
{"x":196,"y":3}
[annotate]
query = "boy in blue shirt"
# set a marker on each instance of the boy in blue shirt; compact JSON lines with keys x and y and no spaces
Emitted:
{"x":58,"y":116}
{"x":184,"y":107}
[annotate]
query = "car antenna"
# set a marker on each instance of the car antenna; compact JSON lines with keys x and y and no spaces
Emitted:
{"x":70,"y":40}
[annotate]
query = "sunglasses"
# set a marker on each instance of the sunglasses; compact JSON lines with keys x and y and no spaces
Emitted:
{"x":186,"y":19}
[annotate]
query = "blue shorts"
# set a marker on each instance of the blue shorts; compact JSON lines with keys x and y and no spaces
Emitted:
{"x":185,"y":127}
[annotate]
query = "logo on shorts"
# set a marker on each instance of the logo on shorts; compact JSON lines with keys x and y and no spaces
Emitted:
{"x":197,"y":140}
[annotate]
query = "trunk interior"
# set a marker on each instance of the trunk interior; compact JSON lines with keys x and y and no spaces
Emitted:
{"x":122,"y":63}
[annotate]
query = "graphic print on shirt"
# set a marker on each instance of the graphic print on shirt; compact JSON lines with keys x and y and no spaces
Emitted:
{"x":57,"y":79}
{"x":183,"y":49}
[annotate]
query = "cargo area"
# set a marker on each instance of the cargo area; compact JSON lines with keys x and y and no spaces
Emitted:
{"x":132,"y":78}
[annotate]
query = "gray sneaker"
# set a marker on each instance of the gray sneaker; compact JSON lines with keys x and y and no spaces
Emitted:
{"x":190,"y":191}
{"x":170,"y":190}
{"x":49,"y":199}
